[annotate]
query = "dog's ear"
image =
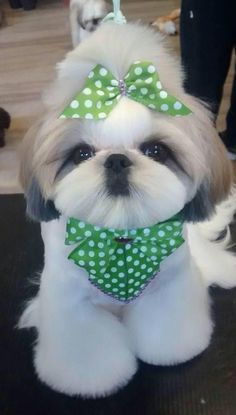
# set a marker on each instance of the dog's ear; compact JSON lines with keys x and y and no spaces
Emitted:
{"x":37,"y":208}
{"x":216,"y":184}
{"x":201,"y":207}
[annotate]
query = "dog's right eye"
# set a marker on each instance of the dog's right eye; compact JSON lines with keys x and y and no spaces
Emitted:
{"x":155,"y":150}
{"x":82,"y":153}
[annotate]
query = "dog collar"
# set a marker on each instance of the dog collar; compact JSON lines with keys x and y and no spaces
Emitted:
{"x":121,"y":263}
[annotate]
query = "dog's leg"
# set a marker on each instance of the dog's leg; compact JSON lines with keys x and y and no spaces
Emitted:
{"x":209,"y":241}
{"x":81,"y":349}
{"x":172,"y":324}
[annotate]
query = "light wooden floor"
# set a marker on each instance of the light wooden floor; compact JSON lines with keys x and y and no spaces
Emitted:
{"x":31,"y":43}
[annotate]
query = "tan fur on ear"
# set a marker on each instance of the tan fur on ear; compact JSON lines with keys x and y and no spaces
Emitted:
{"x":221,"y":172}
{"x":33,"y":163}
{"x":41,"y":151}
{"x":27,"y":150}
{"x":215,"y":165}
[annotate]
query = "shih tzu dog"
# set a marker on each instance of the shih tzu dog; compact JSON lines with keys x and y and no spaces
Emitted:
{"x":85,"y":17}
{"x":120,"y":169}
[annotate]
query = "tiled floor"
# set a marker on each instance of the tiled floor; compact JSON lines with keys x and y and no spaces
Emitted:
{"x":31,"y":43}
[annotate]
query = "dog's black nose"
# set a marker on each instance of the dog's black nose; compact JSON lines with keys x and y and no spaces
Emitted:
{"x":117,"y":172}
{"x":117,"y":163}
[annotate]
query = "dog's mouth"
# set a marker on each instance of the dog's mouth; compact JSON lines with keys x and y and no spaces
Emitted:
{"x":124,"y":241}
{"x":118,"y":186}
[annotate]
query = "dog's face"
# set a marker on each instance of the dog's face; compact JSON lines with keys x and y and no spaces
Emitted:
{"x":89,"y":13}
{"x":133,"y":169}
{"x":123,"y":172}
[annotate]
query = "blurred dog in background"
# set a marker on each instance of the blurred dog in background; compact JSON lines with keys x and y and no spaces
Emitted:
{"x":86,"y":16}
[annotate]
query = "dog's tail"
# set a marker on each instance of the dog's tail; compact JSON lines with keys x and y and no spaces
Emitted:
{"x":211,"y":244}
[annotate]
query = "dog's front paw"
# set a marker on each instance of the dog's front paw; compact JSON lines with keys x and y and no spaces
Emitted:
{"x":92,"y":361}
{"x":174,"y":343}
{"x":173,"y":324}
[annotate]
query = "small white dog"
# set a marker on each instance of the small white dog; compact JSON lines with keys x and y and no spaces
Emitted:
{"x":85,"y":17}
{"x":133,"y":169}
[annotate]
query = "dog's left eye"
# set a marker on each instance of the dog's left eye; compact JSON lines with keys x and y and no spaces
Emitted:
{"x":82,"y":153}
{"x":155,"y":150}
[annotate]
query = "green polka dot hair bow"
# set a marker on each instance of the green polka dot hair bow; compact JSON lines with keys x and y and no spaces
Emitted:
{"x":121,"y":263}
{"x":102,"y":92}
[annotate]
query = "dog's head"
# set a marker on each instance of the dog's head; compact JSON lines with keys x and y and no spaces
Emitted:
{"x":89,"y":13}
{"x":136,"y":167}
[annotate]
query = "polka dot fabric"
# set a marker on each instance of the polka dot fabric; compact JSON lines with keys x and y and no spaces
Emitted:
{"x":102,"y":92}
{"x":121,"y":263}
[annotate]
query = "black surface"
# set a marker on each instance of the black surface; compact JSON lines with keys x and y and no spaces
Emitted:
{"x":206,"y":385}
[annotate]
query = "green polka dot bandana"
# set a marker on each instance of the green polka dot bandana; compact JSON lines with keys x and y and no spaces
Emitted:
{"x":102,"y":92}
{"x":121,"y":263}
